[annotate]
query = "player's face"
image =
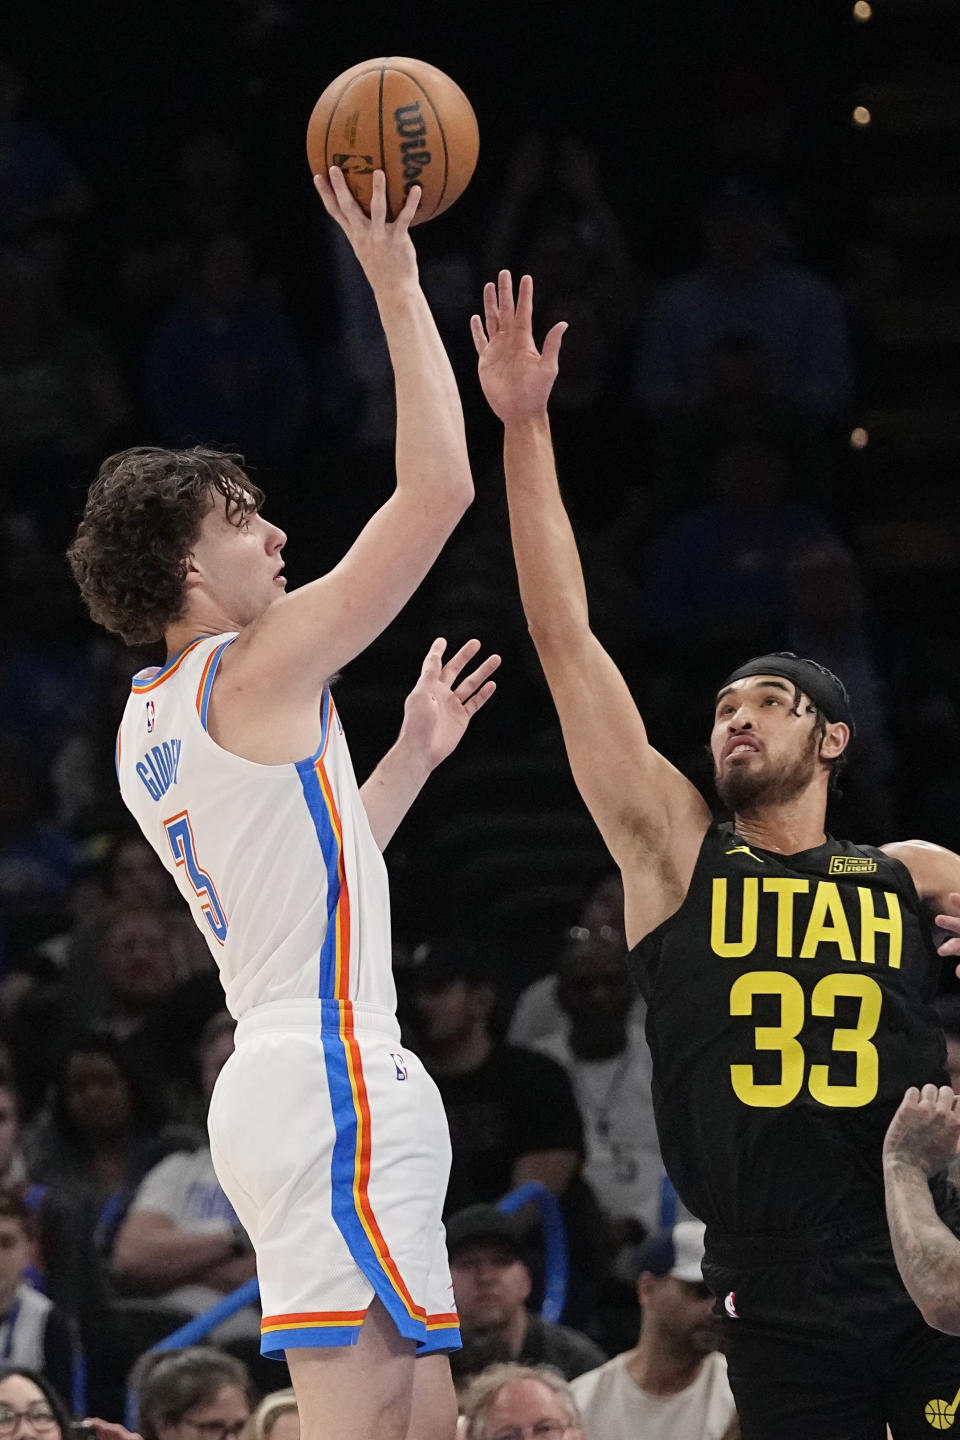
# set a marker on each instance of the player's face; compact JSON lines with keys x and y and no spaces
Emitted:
{"x":237,"y":562}
{"x":765,"y":749}
{"x":489,"y":1284}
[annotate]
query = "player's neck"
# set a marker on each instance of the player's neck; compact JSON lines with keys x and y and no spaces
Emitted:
{"x":184,"y":632}
{"x":788,"y":828}
{"x":657,"y":1367}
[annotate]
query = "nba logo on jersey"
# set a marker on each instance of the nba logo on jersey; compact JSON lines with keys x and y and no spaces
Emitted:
{"x":399,"y":1064}
{"x":730,"y":1305}
{"x":151,"y":716}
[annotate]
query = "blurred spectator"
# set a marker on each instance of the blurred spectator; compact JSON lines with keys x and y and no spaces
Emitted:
{"x":181,"y":1241}
{"x":33,"y":1332}
{"x":60,"y":393}
{"x":224,"y":365}
{"x":602,"y":1047}
{"x":491,"y":1285}
{"x":538,"y":1011}
{"x":39,"y":185}
{"x":508,"y":1402}
{"x":275,"y":1418}
{"x":101,"y":1130}
{"x":796,"y":318}
{"x":512,"y":1114}
{"x":26,"y":1391}
{"x":718,"y":574}
{"x":198,"y":1390}
{"x":673,"y":1384}
{"x":36,"y":855}
{"x":13,"y":1166}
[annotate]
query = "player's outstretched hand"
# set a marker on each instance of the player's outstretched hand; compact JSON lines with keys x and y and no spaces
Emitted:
{"x":516,"y":377}
{"x":951,"y":923}
{"x":925,"y":1131}
{"x":382,"y":246}
{"x":441,"y":705}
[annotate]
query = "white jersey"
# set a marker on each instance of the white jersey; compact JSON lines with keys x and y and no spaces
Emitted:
{"x":277,"y":862}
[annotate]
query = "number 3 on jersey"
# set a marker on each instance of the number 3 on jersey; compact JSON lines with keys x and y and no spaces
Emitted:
{"x":784,"y":1038}
{"x":180,"y":836}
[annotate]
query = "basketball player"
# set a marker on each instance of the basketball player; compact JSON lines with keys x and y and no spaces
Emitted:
{"x":921,"y":1142}
{"x":329,"y":1140}
{"x":788,"y":975}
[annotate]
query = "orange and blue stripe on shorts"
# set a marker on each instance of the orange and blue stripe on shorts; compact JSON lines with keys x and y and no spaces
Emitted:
{"x":350,"y":1166}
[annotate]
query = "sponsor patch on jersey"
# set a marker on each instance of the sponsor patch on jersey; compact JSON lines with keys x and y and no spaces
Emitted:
{"x":851,"y":865}
{"x":730,"y":1304}
{"x":399,"y":1064}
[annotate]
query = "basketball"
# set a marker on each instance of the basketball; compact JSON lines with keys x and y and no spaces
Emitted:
{"x":404,"y":117}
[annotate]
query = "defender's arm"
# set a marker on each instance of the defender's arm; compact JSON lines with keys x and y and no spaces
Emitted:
{"x":650,"y":816}
{"x":921,"y":1140}
{"x":936,"y":874}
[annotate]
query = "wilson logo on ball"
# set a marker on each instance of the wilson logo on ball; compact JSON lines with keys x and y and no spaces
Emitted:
{"x":412,"y":129}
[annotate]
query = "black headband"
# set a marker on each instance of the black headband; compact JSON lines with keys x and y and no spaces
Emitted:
{"x":826,"y":691}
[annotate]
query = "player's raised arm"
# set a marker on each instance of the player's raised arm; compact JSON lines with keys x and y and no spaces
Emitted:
{"x":307,"y":635}
{"x":645,"y":809}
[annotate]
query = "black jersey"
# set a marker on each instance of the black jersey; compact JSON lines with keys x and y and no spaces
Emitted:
{"x":788,"y":1010}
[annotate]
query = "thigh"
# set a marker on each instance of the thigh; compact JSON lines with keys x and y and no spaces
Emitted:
{"x":433,"y":1414}
{"x":793,"y":1387}
{"x":922,"y":1384}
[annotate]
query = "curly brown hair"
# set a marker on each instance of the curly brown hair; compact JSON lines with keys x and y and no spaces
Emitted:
{"x":141,"y":520}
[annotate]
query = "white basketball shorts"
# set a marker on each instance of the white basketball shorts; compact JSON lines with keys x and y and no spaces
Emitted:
{"x":331,"y":1144}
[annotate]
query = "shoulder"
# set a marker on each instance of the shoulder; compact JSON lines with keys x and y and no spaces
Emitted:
{"x":588,"y":1386}
{"x":935,"y":871}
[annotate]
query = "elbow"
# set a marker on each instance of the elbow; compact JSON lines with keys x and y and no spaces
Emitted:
{"x":941,"y":1312}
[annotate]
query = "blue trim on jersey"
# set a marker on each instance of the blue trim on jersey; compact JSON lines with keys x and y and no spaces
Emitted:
{"x":327,"y":839}
{"x":158,"y":672}
{"x":343,"y":1177}
{"x":211,"y":676}
{"x":273,"y":1346}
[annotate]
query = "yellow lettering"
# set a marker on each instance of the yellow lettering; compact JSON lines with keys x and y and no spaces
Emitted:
{"x":871,"y":925}
{"x":781,"y":1038}
{"x":719,"y":943}
{"x":827,"y":905}
{"x":785,"y":890}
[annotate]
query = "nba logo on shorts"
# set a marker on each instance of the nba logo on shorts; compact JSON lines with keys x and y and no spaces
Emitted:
{"x":399,"y":1064}
{"x":151,"y":716}
{"x":730,"y":1305}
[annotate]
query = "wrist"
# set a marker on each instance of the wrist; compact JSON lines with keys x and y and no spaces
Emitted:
{"x":411,"y":755}
{"x":536,"y":423}
{"x":906,"y":1168}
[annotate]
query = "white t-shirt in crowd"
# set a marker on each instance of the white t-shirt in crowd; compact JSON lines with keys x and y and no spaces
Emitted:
{"x":613,"y":1407}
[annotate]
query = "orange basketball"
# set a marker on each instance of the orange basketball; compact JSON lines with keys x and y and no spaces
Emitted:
{"x":403,"y":117}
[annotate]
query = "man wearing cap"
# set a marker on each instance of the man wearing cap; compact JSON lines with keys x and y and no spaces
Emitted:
{"x":673,"y":1384}
{"x":491,"y":1285}
{"x":788,"y":975}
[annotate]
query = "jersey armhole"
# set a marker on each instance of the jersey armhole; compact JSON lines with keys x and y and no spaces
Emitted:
{"x":205,"y":688}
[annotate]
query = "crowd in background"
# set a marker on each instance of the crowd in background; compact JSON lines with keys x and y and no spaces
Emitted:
{"x":167,"y":276}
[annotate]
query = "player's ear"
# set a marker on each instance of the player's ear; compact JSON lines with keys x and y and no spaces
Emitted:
{"x":835,"y":740}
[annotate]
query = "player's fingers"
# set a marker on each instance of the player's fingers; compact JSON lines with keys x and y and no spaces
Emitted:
{"x":378,"y":198}
{"x":928,"y":1095}
{"x":327,"y":195}
{"x":405,"y":219}
{"x":911,"y":1097}
{"x":433,"y":659}
{"x":475,"y":681}
{"x":480,"y":340}
{"x":525,"y":302}
{"x":472,"y":705}
{"x":505,"y":297}
{"x":949,"y":947}
{"x":948,"y":922}
{"x":552,"y":342}
{"x":347,"y":205}
{"x":457,"y":661}
{"x":490,"y":308}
